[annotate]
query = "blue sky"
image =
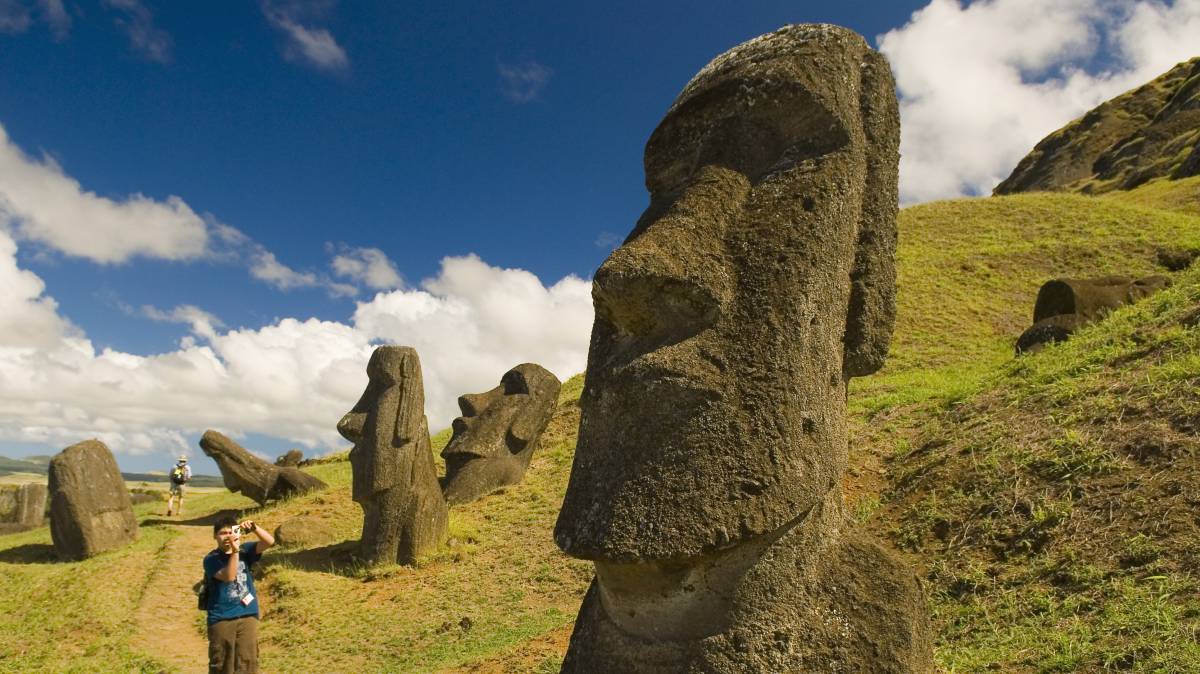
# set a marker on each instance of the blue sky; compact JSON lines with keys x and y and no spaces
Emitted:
{"x":317,"y":177}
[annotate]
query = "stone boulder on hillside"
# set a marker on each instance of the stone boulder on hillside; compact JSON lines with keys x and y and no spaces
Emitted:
{"x":90,"y":510}
{"x":22,"y":506}
{"x":251,"y":476}
{"x":291,"y":459}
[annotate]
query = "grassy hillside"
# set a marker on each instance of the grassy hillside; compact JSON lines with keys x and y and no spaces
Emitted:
{"x":1046,"y":500}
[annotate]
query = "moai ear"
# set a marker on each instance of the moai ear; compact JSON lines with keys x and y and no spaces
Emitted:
{"x":410,"y":411}
{"x":872,"y":312}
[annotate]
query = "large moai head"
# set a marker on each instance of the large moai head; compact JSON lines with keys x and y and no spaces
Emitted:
{"x":495,"y":437}
{"x":388,"y":422}
{"x":757,"y":282}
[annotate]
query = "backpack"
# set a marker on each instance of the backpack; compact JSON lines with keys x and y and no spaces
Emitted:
{"x":178,"y":476}
{"x":201,"y":590}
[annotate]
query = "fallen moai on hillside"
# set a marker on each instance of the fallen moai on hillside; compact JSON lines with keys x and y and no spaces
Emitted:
{"x":254,"y":478}
{"x":394,"y":479}
{"x":22,"y":506}
{"x":90,"y":510}
{"x":1065,"y":305}
{"x":498,"y":431}
{"x":706,"y":481}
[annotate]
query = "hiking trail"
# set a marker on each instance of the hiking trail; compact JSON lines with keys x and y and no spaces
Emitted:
{"x":167,"y":616}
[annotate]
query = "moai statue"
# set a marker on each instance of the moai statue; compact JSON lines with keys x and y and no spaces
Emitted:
{"x":1065,"y":305}
{"x":90,"y":509}
{"x":395,"y":481}
{"x":713,"y":439}
{"x":243,"y":472}
{"x":496,"y":435}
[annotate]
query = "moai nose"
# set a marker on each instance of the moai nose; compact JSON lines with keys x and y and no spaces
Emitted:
{"x":351,"y":426}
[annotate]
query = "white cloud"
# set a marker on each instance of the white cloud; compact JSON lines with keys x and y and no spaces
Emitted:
{"x":292,"y":379}
{"x":523,"y":82}
{"x":39,"y":202}
{"x":48,"y":206}
{"x":369,"y":266}
{"x":144,"y":36}
{"x":315,"y":46}
{"x":202,"y":323}
{"x":980,"y":84}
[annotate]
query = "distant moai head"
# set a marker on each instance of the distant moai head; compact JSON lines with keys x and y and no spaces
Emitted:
{"x":387,"y":422}
{"x":495,"y":437}
{"x":757,"y":282}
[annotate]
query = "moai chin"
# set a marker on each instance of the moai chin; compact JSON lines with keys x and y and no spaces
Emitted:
{"x":395,"y":481}
{"x":713,"y":438}
{"x":496,"y":435}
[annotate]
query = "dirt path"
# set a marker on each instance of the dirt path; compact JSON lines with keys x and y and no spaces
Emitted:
{"x":167,"y":616}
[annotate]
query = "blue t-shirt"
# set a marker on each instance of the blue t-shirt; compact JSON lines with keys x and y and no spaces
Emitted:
{"x":225,"y":599}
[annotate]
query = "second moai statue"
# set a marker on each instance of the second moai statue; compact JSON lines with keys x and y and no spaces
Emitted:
{"x":90,"y":508}
{"x":760,"y":279}
{"x":395,"y":481}
{"x":498,"y":431}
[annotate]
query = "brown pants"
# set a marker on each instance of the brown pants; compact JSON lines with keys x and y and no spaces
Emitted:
{"x":233,"y":646}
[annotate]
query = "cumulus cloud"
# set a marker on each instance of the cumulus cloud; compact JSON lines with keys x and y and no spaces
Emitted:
{"x":292,"y":379}
{"x":369,"y":266}
{"x":144,"y":36}
{"x":981,"y":83}
{"x":523,"y":82}
{"x":39,"y":202}
{"x":314,"y":46}
{"x":48,"y":206}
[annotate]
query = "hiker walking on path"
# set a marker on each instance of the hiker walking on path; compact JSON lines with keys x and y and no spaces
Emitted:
{"x":231,"y":601}
{"x":180,"y":475}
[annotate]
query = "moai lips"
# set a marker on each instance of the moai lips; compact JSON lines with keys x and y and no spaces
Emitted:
{"x":713,"y":434}
{"x":395,"y":481}
{"x":496,"y":435}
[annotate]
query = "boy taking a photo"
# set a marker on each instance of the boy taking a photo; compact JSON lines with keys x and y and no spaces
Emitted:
{"x":232,"y":603}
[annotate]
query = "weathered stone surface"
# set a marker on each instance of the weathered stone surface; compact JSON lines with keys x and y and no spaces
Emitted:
{"x":498,"y":431}
{"x":90,"y":511}
{"x":713,"y":437}
{"x":1065,"y":305}
{"x":291,"y":459}
{"x":254,"y":478}
{"x":394,"y":479}
{"x":23,"y":505}
{"x":303,"y":531}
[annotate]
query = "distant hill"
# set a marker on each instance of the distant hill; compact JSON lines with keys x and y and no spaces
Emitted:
{"x":1148,"y":133}
{"x":39,"y":465}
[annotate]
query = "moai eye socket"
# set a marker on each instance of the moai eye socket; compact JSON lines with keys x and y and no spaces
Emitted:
{"x":754,"y":128}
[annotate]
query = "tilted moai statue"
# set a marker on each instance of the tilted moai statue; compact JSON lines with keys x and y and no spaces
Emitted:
{"x":713,"y":438}
{"x":1064,"y":305}
{"x":243,"y":472}
{"x":90,"y":509}
{"x":395,"y":481}
{"x":496,"y":435}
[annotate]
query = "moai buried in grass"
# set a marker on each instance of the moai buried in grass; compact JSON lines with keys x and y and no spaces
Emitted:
{"x":713,"y":438}
{"x":496,"y":435}
{"x":395,"y":481}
